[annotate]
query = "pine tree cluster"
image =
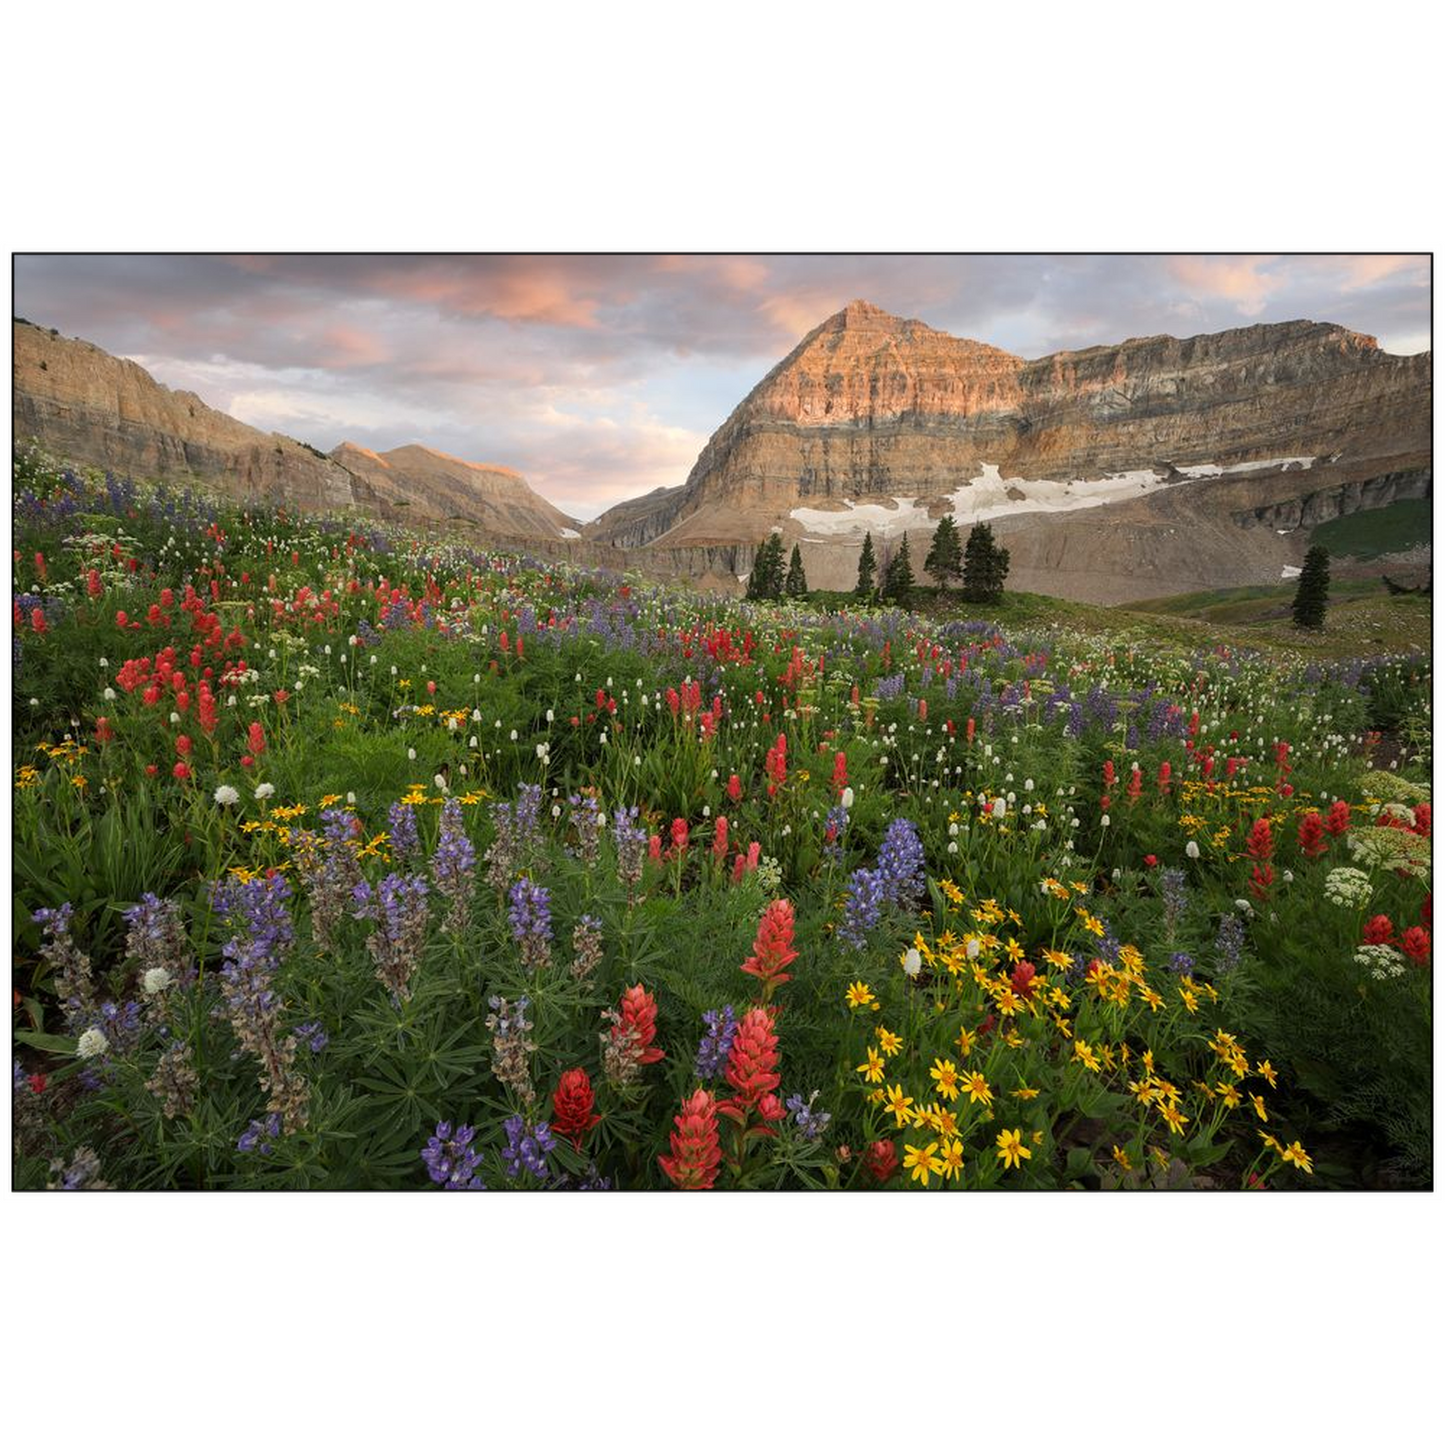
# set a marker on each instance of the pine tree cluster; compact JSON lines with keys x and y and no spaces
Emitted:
{"x":769,"y":580}
{"x":985,"y":565}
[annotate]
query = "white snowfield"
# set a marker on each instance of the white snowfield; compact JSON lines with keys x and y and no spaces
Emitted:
{"x":988,"y":496}
{"x":1288,"y":573}
{"x":569,"y":534}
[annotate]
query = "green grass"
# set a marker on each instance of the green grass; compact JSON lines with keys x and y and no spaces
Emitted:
{"x":1396,"y":528}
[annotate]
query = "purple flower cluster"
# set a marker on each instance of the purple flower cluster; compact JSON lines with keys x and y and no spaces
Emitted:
{"x":900,"y":863}
{"x":518,"y":836}
{"x":258,"y":1135}
{"x":452,"y":864}
{"x":312,"y":1035}
{"x":157,"y":939}
{"x":1228,"y":943}
{"x":530,"y":914}
{"x":527,"y":1147}
{"x":398,"y":908}
{"x":586,"y":945}
{"x":1181,"y":964}
{"x":450,"y":1159}
{"x":717,"y":1043}
{"x":71,"y":967}
{"x":630,"y":841}
{"x":890,"y":689}
{"x":1175,"y":895}
{"x":808,"y":1122}
{"x":588,"y":821}
{"x":257,"y":911}
{"x":834,"y":826}
{"x":401,"y":825}
{"x":861,"y":908}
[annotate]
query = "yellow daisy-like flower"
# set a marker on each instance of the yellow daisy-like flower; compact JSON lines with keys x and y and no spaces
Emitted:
{"x":965,"y":1042}
{"x":1229,"y":1094}
{"x":944,"y":1073}
{"x":859,"y":995}
{"x":1296,"y":1155}
{"x":1259,"y":1107}
{"x":899,"y":1104}
{"x":1121,"y":1158}
{"x":1091,"y":924}
{"x":951,"y":1159}
{"x":950,"y":891}
{"x":922,"y":1164}
{"x":1014,"y":949}
{"x":1085,"y":1055}
{"x":976,"y":1087}
{"x":1024,"y":1093}
{"x":1176,"y":1121}
{"x":1057,"y":958}
{"x":872,"y":1069}
{"x":1266,"y":1071}
{"x":889,"y":1043}
{"x":1011,"y":1148}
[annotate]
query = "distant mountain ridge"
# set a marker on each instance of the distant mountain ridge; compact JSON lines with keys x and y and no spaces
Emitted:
{"x":88,"y":406}
{"x":876,"y":422}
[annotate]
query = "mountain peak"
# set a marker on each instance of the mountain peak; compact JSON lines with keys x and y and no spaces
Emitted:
{"x":860,"y":313}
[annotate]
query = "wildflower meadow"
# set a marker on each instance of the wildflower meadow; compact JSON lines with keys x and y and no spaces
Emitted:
{"x":351,"y":857}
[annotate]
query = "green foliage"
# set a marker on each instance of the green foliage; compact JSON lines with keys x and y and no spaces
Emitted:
{"x":985,"y":565}
{"x":1313,"y":593}
{"x":796,"y":584}
{"x":945,"y":556}
{"x":867,"y":567}
{"x":898,"y":581}
{"x":766,"y":580}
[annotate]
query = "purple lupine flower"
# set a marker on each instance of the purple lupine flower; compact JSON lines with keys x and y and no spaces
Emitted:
{"x":862,"y":907}
{"x":630,"y":842}
{"x":401,"y":824}
{"x":157,"y":939}
{"x":313,"y":1036}
{"x":586,"y":945}
{"x":450,"y":1159}
{"x":1182,"y":964}
{"x":900,"y":863}
{"x":834,"y":826}
{"x":717,"y":1043}
{"x":530,"y":913}
{"x":258,"y":1133}
{"x":71,"y":967}
{"x":588,"y":820}
{"x":527,"y":1148}
{"x":398,"y":909}
{"x":809,"y":1123}
{"x":1228,"y":943}
{"x":1175,"y":894}
{"x":452,"y":864}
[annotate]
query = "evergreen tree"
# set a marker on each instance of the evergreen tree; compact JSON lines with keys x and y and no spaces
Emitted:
{"x":867,"y":567}
{"x":985,"y":565}
{"x":765,"y":581}
{"x":1313,"y":592}
{"x":898,"y":581}
{"x":796,"y":584}
{"x":945,"y":556}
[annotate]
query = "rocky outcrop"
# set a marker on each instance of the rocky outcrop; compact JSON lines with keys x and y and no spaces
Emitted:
{"x":83,"y":404}
{"x":432,"y":486}
{"x":1328,"y":503}
{"x":900,"y":423}
{"x":86,"y":405}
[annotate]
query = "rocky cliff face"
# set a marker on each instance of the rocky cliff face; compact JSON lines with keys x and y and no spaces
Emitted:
{"x":875,"y":423}
{"x":88,"y":406}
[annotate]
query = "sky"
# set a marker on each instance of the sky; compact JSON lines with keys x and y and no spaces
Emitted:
{"x":602,"y":377}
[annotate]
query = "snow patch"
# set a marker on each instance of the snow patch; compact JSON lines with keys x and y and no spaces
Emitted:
{"x":1212,"y":469}
{"x":1288,"y":574}
{"x":570,"y":535}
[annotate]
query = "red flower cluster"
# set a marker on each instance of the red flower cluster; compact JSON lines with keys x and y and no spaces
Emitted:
{"x":752,"y":1063}
{"x":572,"y":1115}
{"x":1339,"y":819}
{"x":1312,"y":840}
{"x":777,"y":764}
{"x":696,"y":1154}
{"x":881,"y":1159}
{"x":638,"y":1012}
{"x":1260,"y":845}
{"x":773,"y":947}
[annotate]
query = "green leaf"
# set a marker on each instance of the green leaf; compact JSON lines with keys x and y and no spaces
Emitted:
{"x":48,"y":1043}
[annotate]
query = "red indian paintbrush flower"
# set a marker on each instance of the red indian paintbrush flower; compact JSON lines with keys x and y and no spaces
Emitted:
{"x":1379,"y":930}
{"x":752,"y":1061}
{"x":1339,"y":820}
{"x":881,"y":1159}
{"x":1312,"y":835}
{"x":1416,"y":943}
{"x":696,"y":1155}
{"x":638,"y":1015}
{"x":773,"y":947}
{"x":1260,"y":845}
{"x":572,"y":1115}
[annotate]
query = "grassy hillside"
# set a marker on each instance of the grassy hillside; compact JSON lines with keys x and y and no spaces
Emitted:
{"x":1395,"y":528}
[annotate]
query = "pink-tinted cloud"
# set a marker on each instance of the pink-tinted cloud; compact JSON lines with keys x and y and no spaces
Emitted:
{"x":1241,"y":280}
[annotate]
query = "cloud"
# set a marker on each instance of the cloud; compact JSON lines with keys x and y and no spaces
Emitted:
{"x":1239,"y":279}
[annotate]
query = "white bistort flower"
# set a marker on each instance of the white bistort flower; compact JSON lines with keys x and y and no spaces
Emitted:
{"x":155,"y":980}
{"x":264,"y":791}
{"x":91,"y":1044}
{"x":912,"y":963}
{"x":227,"y":796}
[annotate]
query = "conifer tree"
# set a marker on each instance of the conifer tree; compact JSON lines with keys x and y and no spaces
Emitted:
{"x":985,"y":565}
{"x":1313,"y":593}
{"x":867,"y":567}
{"x":945,"y":556}
{"x":898,"y":580}
{"x":796,"y":583}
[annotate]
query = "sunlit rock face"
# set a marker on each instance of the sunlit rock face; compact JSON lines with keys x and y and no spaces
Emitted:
{"x":1115,"y":472}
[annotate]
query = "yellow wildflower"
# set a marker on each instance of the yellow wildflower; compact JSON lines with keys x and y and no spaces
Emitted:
{"x":1011,"y":1148}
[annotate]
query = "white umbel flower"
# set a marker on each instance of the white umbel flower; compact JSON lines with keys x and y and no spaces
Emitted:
{"x":227,"y":796}
{"x":155,"y":980}
{"x":264,"y":791}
